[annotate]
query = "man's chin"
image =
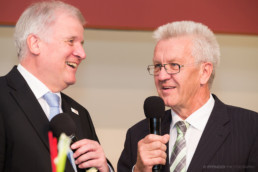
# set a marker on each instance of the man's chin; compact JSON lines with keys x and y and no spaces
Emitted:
{"x":70,"y":82}
{"x":168,"y":102}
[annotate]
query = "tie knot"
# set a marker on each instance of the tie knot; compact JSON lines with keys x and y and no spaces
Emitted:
{"x":52,"y":99}
{"x":181,"y":127}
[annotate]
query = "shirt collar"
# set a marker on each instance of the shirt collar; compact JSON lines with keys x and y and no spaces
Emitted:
{"x":199,"y":118}
{"x":38,"y":88}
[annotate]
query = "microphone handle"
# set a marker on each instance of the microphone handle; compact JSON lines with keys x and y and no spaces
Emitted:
{"x":155,"y":128}
{"x":156,"y":168}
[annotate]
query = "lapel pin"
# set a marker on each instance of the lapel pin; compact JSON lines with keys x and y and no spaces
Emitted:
{"x":74,"y":111}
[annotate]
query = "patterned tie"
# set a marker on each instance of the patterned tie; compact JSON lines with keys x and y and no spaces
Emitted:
{"x":53,"y":102}
{"x":178,"y":157}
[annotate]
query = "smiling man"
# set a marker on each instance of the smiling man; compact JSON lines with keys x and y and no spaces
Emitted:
{"x":199,"y":132}
{"x":49,"y":40}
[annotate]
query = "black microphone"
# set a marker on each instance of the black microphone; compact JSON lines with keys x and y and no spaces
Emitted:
{"x":63,"y":123}
{"x":154,"y":109}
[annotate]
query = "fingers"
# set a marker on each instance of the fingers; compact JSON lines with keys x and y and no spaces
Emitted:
{"x":152,"y":137}
{"x":153,"y":142}
{"x":89,"y":153}
{"x":84,"y":146}
{"x":151,"y":151}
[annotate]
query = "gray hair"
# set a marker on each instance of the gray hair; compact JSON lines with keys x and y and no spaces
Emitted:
{"x":37,"y":19}
{"x":205,"y":45}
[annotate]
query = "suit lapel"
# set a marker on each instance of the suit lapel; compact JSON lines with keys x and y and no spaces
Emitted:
{"x":215,"y":133}
{"x":74,"y":114}
{"x":29,"y":105}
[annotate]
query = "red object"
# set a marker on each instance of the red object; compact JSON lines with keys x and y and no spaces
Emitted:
{"x":53,"y":149}
{"x":222,"y":16}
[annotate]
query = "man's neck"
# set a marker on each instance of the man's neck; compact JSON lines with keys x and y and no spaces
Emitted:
{"x":191,"y":107}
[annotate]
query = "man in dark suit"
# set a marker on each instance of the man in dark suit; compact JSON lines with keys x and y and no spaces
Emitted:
{"x":199,"y":132}
{"x":49,"y":40}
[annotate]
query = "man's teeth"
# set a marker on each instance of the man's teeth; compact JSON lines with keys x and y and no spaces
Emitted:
{"x":168,"y":87}
{"x":71,"y":64}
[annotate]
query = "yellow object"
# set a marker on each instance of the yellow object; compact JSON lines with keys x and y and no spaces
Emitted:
{"x":93,"y":169}
{"x":63,"y":148}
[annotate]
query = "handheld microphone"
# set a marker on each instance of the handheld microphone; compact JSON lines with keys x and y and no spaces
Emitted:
{"x":154,"y":109}
{"x":63,"y":123}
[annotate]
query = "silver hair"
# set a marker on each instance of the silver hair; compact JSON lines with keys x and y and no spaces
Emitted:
{"x":205,"y":45}
{"x":37,"y":19}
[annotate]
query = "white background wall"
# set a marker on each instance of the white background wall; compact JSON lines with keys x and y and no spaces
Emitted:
{"x":112,"y":83}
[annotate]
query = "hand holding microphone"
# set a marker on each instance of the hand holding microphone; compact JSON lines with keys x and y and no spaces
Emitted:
{"x":87,"y":153}
{"x":152,"y":149}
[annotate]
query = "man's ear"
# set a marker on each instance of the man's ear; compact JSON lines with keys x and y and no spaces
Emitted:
{"x":206,"y":70}
{"x":33,"y":44}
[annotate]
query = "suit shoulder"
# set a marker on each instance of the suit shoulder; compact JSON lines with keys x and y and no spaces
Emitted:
{"x":234,"y":111}
{"x":72,"y":102}
{"x":69,"y":99}
{"x":3,"y":81}
{"x":243,"y":118}
{"x":137,"y":131}
{"x":143,"y":124}
{"x":241,"y":111}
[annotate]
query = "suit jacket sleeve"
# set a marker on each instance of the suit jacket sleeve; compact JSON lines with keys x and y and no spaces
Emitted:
{"x":129,"y":154}
{"x":2,"y":143}
{"x":126,"y":160}
{"x":134,"y":134}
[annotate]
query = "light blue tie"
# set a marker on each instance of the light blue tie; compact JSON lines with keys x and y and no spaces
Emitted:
{"x":53,"y":102}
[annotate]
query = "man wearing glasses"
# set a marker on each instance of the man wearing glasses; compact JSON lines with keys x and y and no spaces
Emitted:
{"x":199,"y":132}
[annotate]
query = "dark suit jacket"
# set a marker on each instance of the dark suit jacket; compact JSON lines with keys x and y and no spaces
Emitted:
{"x":24,"y":127}
{"x":229,"y":141}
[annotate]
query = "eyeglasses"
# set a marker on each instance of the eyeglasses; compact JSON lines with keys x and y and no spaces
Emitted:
{"x":171,"y":68}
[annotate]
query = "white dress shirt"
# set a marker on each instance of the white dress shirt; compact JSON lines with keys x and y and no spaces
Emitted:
{"x":197,"y":121}
{"x":38,"y":88}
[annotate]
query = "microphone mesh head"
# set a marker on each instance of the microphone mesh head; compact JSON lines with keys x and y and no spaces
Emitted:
{"x":62,"y":123}
{"x":154,"y":107}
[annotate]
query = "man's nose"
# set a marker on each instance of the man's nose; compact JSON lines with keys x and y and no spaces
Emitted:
{"x":163,"y":75}
{"x":79,"y":51}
